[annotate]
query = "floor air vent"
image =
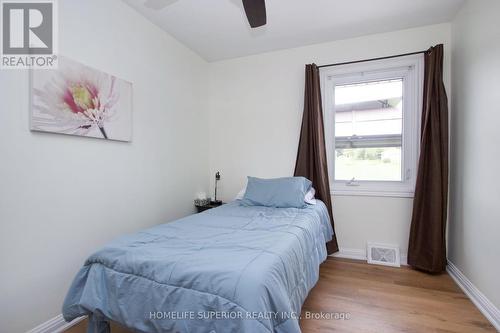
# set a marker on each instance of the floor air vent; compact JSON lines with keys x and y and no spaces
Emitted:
{"x":383,"y":254}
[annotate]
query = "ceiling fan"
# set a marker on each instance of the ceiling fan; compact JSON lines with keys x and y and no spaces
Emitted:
{"x":256,"y":12}
{"x":254,"y":9}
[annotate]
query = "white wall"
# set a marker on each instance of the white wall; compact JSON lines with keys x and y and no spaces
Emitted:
{"x":61,"y":197}
{"x":255,"y":115}
{"x":474,"y":224}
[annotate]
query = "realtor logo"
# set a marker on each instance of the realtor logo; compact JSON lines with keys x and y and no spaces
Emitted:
{"x":28,"y":34}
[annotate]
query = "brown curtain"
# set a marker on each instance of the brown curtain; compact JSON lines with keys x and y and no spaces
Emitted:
{"x":427,"y":245}
{"x":311,"y":156}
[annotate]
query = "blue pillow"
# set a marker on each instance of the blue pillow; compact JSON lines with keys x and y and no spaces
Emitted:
{"x":278,"y":192}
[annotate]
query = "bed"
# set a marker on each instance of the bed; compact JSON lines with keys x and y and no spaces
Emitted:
{"x":235,"y":268}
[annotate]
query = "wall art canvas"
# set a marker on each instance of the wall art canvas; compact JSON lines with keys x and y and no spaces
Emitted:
{"x":79,"y":100}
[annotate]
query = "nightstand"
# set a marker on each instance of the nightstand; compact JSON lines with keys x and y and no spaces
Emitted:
{"x":209,"y":206}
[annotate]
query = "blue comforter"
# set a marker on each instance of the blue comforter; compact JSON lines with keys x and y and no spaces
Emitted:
{"x":229,"y":269}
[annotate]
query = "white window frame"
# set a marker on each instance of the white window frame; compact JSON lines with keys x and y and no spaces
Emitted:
{"x":411,"y":69}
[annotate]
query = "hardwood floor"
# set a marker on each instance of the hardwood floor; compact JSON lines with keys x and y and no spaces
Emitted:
{"x":386,"y":299}
{"x":381,"y":299}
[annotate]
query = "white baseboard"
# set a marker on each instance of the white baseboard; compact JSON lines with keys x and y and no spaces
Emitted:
{"x":360,"y":254}
{"x":356,"y":254}
{"x":488,"y":309}
{"x":55,"y":325}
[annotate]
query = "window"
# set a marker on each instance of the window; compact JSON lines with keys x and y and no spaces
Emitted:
{"x":371,"y":123}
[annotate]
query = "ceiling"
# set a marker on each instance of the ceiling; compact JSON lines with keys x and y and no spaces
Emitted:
{"x":218,"y":29}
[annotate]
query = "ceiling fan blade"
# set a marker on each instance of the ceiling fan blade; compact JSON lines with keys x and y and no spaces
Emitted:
{"x":256,"y":12}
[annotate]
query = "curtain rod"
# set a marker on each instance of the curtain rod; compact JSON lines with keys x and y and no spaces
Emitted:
{"x":373,"y":59}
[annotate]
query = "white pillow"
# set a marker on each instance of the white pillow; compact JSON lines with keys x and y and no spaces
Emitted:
{"x":309,"y":198}
{"x":241,"y":194}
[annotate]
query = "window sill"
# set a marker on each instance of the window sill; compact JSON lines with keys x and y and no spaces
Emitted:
{"x":359,"y":193}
